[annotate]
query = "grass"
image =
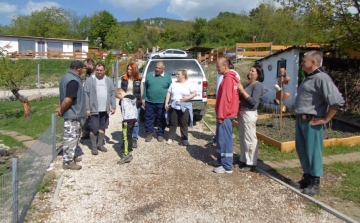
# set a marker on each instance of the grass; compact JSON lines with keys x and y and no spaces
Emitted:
{"x":10,"y":142}
{"x":49,"y":71}
{"x":12,"y":112}
{"x":341,"y":180}
{"x":45,"y":186}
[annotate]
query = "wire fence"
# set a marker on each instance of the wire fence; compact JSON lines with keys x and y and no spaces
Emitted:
{"x":19,"y":184}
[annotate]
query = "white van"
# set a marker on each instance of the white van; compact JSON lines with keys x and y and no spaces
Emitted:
{"x":196,"y":77}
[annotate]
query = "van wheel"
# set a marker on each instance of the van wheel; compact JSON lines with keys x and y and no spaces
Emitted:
{"x":198,"y":118}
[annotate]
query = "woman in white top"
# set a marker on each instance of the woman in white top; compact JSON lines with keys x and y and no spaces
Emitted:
{"x":178,"y":106}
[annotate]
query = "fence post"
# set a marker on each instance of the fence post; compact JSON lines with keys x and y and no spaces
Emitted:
{"x":38,"y":78}
{"x":116,"y":73}
{"x":14,"y":173}
{"x":53,"y":135}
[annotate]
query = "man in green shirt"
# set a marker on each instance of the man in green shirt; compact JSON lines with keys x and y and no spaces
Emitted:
{"x":155,"y":89}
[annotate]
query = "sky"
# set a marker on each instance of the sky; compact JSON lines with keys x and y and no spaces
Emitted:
{"x":129,"y":10}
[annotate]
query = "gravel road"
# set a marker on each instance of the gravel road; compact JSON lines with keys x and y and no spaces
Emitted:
{"x":168,"y":184}
{"x":26,"y":93}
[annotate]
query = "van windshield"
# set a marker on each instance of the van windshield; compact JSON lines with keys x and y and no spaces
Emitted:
{"x":172,"y":66}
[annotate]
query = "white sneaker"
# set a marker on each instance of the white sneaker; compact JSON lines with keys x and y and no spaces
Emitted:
{"x":186,"y":142}
{"x":169,"y":141}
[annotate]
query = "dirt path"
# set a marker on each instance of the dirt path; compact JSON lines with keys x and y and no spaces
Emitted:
{"x":167,"y":184}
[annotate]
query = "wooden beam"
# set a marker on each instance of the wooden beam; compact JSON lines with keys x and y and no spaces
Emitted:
{"x":279,"y":47}
{"x":253,"y":45}
{"x":253,"y":53}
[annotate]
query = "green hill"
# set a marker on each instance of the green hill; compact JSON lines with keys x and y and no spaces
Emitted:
{"x":156,"y":22}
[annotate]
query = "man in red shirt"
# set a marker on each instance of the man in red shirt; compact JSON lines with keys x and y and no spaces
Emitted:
{"x":226,"y":108}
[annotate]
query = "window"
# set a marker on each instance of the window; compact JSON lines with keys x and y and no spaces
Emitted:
{"x":172,"y":66}
{"x":179,"y":52}
{"x":55,"y":47}
{"x":77,"y":47}
{"x":280,"y":64}
{"x":26,"y":46}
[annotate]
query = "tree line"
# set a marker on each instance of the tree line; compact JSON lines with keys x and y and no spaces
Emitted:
{"x":284,"y":22}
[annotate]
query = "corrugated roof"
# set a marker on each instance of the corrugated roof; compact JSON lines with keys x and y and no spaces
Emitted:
{"x":43,"y":38}
{"x":307,"y":46}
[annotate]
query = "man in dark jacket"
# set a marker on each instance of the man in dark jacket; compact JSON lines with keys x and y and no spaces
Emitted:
{"x":72,"y":108}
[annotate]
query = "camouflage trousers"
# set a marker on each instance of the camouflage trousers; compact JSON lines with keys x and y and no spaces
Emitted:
{"x":72,"y":130}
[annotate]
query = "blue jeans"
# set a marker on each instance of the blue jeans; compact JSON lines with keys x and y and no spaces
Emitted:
{"x":136,"y":126}
{"x":155,"y":111}
{"x":309,"y":147}
{"x":224,"y":143}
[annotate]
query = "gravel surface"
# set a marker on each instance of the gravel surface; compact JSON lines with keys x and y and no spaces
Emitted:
{"x":169,"y":184}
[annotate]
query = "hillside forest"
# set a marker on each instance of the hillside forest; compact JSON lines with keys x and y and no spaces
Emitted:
{"x":285,"y":22}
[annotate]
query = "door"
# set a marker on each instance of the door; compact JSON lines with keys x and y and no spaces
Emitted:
{"x":40,"y":48}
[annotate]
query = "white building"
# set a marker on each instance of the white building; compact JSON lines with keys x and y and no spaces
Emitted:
{"x":290,"y":59}
{"x":42,"y":47}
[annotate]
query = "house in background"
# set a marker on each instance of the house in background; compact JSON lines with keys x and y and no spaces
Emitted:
{"x":290,"y":59}
{"x":41,"y":47}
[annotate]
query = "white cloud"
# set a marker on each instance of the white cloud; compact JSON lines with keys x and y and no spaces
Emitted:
{"x":6,"y":8}
{"x":189,"y":9}
{"x":186,"y":9}
{"x":33,"y":6}
{"x":135,"y":7}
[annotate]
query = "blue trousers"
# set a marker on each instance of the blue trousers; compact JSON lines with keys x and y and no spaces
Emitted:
{"x":135,"y":133}
{"x":155,"y":111}
{"x":309,"y":147}
{"x":224,"y":143}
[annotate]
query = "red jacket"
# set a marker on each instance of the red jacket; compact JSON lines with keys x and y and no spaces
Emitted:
{"x":227,"y":99}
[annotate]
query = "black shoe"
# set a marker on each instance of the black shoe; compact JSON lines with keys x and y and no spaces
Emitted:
{"x":160,"y":138}
{"x":303,"y":183}
{"x":85,"y":136}
{"x":314,"y":186}
{"x":102,"y":148}
{"x":247,"y":168}
{"x":242,"y":164}
{"x":71,"y":166}
{"x":148,"y":137}
{"x":94,"y":150}
{"x":134,"y":143}
{"x":125,"y":159}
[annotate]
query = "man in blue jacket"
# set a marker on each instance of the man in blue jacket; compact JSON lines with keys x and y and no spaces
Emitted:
{"x":72,"y":109}
{"x":100,"y":102}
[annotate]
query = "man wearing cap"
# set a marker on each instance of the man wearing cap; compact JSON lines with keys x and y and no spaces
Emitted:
{"x":72,"y":109}
{"x":100,"y":102}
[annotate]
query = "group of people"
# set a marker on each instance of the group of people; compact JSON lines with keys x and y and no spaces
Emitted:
{"x":93,"y":100}
{"x":234,"y":100}
{"x":317,"y":101}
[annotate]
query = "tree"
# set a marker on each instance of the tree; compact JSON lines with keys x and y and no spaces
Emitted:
{"x":199,"y":32}
{"x":48,"y":22}
{"x":118,"y":36}
{"x":11,"y":75}
{"x":100,"y":25}
{"x":330,"y":19}
{"x":79,"y":25}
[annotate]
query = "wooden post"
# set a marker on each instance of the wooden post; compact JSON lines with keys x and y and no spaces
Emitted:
{"x":281,"y":101}
{"x":281,"y":84}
